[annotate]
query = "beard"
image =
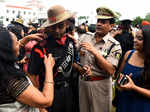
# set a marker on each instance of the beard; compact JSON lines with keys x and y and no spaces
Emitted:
{"x":56,"y":35}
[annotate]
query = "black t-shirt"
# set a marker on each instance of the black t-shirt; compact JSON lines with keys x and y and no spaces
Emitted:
{"x":36,"y":64}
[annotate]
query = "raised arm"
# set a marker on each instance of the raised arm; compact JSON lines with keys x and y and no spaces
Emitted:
{"x":32,"y":96}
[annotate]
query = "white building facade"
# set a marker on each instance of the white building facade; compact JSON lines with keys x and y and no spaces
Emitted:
{"x":10,"y":12}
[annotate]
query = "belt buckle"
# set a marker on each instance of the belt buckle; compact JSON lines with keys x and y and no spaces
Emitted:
{"x":84,"y":77}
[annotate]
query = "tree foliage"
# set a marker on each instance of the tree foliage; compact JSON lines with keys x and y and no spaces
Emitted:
{"x":83,"y":17}
{"x":137,"y":20}
{"x":147,"y":17}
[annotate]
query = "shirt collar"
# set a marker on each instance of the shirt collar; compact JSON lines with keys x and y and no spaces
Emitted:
{"x":104,"y":39}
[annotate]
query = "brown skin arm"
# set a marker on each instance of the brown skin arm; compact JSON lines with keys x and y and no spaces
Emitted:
{"x":35,"y":98}
{"x":131,"y":86}
{"x":102,"y":62}
{"x":43,"y":110}
{"x":26,"y":39}
{"x":124,"y":61}
{"x":80,"y":69}
{"x":34,"y":80}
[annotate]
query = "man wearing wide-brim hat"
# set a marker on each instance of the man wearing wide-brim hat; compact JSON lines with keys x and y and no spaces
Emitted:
{"x":100,"y":54}
{"x":56,"y":16}
{"x":63,"y":51}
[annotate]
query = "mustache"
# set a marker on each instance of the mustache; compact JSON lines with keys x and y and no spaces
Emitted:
{"x":99,"y":27}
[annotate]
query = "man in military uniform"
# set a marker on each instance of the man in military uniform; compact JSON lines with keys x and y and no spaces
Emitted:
{"x":63,"y":50}
{"x":99,"y":53}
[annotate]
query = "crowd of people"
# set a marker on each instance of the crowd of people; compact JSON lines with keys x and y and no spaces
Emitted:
{"x":58,"y":67}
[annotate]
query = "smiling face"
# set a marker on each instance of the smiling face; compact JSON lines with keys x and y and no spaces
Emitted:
{"x":15,"y":44}
{"x":138,"y":41}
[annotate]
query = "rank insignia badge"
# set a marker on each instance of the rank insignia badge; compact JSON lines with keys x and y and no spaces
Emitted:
{"x":117,"y":55}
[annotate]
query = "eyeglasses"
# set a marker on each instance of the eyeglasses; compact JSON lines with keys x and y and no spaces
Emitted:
{"x":59,"y":25}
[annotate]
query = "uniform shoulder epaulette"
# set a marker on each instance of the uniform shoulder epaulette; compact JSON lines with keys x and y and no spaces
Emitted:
{"x":90,"y":33}
{"x":114,"y":40}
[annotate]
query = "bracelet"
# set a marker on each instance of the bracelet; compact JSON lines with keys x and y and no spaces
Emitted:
{"x":49,"y":82}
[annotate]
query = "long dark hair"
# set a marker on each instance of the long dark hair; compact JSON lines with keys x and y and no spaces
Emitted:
{"x":7,"y":57}
{"x":16,"y":29}
{"x":146,"y":51}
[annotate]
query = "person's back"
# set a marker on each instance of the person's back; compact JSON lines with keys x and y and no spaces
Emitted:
{"x":125,"y":37}
{"x":126,"y":41}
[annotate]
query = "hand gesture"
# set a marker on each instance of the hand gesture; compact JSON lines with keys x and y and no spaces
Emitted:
{"x":49,"y":61}
{"x":37,"y":36}
{"x":73,"y":38}
{"x":89,"y":47}
{"x":130,"y":85}
{"x":26,"y":39}
{"x":24,"y":60}
{"x":87,"y":70}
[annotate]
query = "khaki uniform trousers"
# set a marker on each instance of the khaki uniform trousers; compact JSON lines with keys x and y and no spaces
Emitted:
{"x":95,"y":96}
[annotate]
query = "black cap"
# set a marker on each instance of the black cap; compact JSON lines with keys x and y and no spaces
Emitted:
{"x":126,"y":22}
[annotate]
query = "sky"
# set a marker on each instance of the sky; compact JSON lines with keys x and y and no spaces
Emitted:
{"x":129,"y":9}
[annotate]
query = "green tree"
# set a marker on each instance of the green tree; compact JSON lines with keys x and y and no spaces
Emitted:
{"x":82,"y":19}
{"x":118,"y":16}
{"x":137,"y":20}
{"x":147,"y":17}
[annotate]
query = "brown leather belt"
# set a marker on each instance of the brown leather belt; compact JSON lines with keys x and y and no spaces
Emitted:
{"x":93,"y":78}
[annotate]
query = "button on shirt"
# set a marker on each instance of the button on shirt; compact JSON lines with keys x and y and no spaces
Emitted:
{"x":103,"y":47}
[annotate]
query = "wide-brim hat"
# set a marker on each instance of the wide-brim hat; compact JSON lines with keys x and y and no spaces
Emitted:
{"x":105,"y":13}
{"x":56,"y":14}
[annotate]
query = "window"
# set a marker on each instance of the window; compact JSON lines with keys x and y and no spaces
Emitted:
{"x":19,"y":12}
{"x":7,"y":19}
{"x":13,"y":11}
{"x":1,"y":17}
{"x":24,"y":12}
{"x":7,"y":11}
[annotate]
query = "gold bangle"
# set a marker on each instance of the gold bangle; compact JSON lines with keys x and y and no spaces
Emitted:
{"x":49,"y":82}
